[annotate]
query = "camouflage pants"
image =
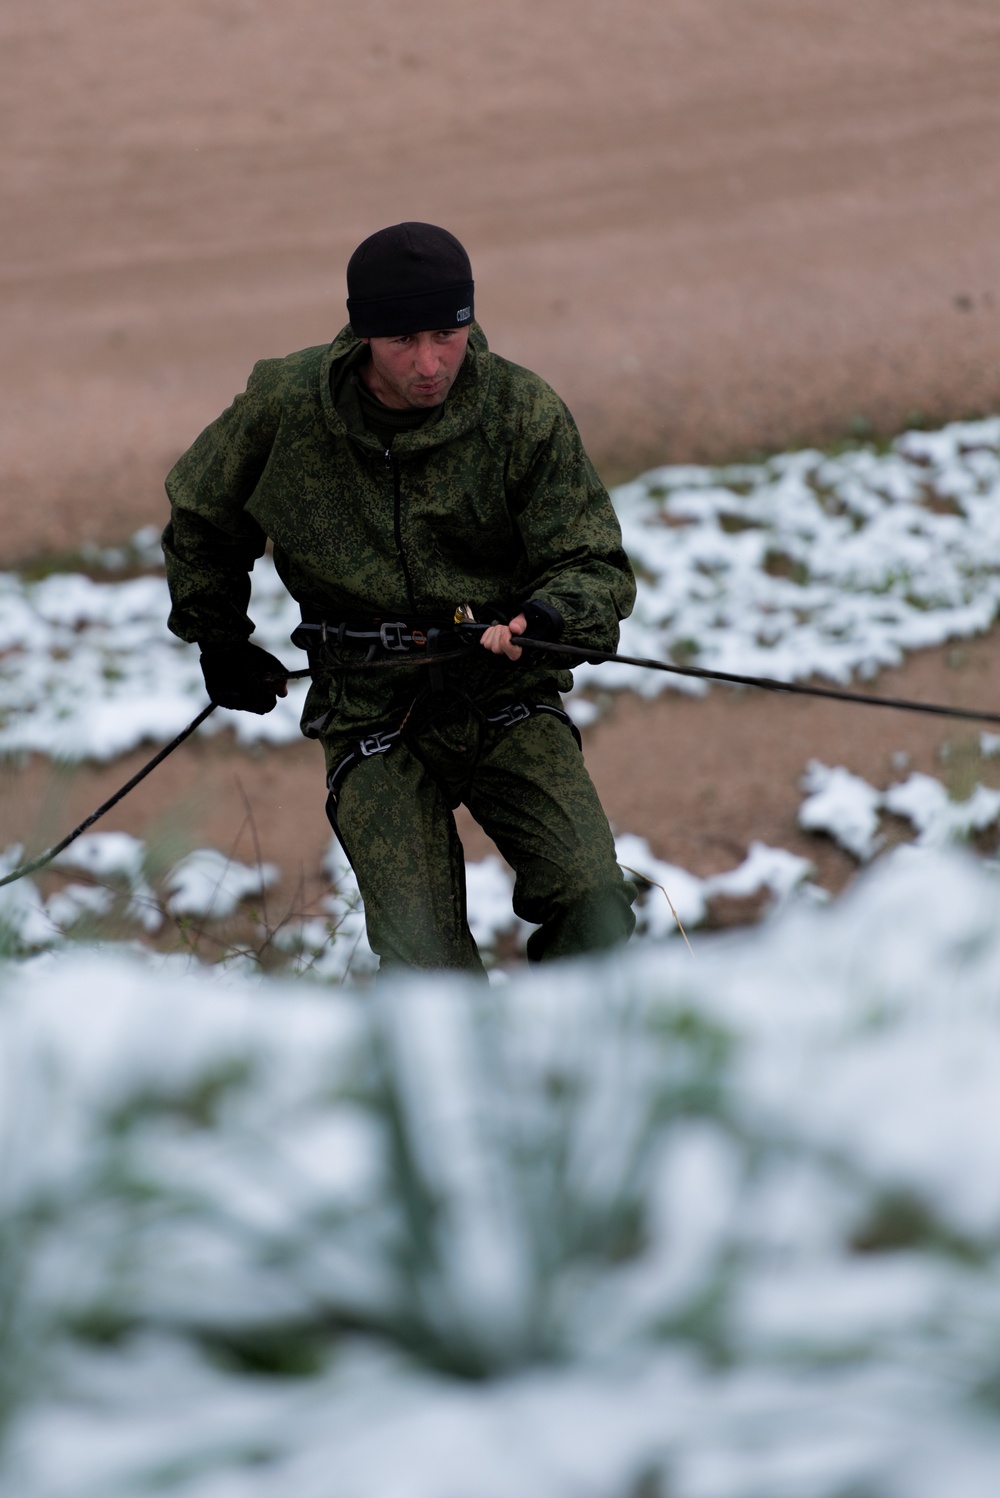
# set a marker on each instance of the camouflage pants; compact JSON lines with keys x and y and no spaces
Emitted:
{"x":527,"y":787}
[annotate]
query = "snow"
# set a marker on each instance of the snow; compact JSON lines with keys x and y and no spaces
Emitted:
{"x":23,"y":917}
{"x":727,"y":1224}
{"x":105,"y":854}
{"x":847,"y":808}
{"x":90,"y":670}
{"x":843,"y":805}
{"x":206,"y":882}
{"x":489,"y":888}
{"x":806,"y":564}
{"x":775,"y":870}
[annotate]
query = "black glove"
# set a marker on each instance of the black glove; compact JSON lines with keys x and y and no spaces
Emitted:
{"x":243,"y":677}
{"x":543,"y":621}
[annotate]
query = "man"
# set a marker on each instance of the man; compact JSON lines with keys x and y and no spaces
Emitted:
{"x":404,"y":473}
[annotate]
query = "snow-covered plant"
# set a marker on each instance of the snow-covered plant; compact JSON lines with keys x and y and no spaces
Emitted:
{"x":729,"y":1213}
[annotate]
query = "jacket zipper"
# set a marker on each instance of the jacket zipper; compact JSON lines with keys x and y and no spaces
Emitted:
{"x":397,"y":528}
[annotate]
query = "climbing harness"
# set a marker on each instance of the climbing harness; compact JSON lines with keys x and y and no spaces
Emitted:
{"x":428,"y":635}
{"x":413,"y":644}
{"x":372,"y":744}
{"x":516,"y":712}
{"x":380,"y":742}
{"x":327,"y":637}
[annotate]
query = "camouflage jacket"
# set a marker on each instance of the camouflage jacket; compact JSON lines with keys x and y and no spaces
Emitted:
{"x":496,"y":501}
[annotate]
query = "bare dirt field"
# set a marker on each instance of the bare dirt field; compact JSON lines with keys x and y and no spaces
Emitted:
{"x":715,"y":228}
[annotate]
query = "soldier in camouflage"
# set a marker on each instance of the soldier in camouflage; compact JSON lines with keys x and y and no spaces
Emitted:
{"x":400,"y":472}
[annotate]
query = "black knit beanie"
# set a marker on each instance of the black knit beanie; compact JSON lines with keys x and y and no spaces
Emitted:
{"x":410,"y":278}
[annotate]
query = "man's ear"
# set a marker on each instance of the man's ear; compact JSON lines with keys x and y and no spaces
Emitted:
{"x":366,"y":340}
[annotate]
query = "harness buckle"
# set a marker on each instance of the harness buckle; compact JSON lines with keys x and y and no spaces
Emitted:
{"x":391,"y":636}
{"x":378,"y":743}
{"x":514,"y":712}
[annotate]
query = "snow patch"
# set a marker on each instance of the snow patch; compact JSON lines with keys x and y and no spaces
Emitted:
{"x":847,"y":808}
{"x":806,"y":564}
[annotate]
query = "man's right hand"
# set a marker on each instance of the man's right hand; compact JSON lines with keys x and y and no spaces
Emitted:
{"x":499,"y":638}
{"x":243,"y":677}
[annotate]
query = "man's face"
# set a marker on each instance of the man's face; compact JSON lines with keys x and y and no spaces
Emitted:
{"x":416,"y":369}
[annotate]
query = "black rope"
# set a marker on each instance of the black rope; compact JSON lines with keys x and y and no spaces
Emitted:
{"x":44,"y":858}
{"x":768,"y":683}
{"x":35,"y":864}
{"x":701,"y":673}
{"x":580,"y":653}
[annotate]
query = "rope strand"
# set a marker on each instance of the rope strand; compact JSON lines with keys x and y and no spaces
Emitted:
{"x":580,"y":653}
{"x":767,"y":683}
{"x":44,"y":858}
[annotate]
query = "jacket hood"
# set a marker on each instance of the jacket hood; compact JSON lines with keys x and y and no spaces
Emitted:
{"x":463,"y":408}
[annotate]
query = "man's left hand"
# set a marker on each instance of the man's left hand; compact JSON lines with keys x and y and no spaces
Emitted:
{"x":498,"y":637}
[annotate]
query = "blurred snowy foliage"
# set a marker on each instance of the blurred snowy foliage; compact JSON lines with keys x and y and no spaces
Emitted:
{"x":805,"y":564}
{"x":721,"y":1227}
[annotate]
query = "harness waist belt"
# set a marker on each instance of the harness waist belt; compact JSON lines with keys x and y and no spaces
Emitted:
{"x":391,"y":634}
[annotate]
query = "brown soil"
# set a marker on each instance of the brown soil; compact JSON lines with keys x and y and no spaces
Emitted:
{"x":715,"y":228}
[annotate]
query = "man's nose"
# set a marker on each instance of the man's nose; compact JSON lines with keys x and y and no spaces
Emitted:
{"x":427,"y":359}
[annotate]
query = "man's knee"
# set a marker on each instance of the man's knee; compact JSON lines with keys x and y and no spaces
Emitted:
{"x":574,"y":915}
{"x":591,"y":922}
